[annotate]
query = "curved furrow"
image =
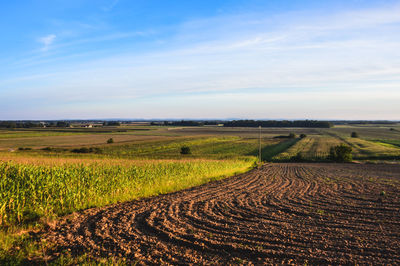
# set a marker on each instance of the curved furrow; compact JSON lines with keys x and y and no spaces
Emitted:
{"x":280,"y":213}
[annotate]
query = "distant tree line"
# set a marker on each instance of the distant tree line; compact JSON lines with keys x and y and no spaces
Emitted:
{"x":275,"y":123}
{"x":30,"y":124}
{"x":189,"y":123}
{"x":13,"y":124}
{"x":112,"y":123}
{"x":363,"y":122}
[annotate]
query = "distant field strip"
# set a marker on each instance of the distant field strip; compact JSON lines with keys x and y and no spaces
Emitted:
{"x":312,"y":147}
{"x":317,"y":148}
{"x":30,"y":134}
{"x":35,"y":159}
{"x":208,"y":147}
{"x":29,"y":191}
{"x":270,"y":152}
{"x":70,"y":140}
{"x":392,"y":142}
{"x":370,"y":149}
{"x":166,"y":147}
{"x":366,"y":149}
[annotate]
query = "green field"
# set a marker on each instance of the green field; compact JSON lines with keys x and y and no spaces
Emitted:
{"x":27,"y":152}
{"x":316,"y":148}
{"x":123,"y":170}
{"x":44,"y":175}
{"x":155,"y":142}
{"x":311,"y":148}
{"x":389,"y":143}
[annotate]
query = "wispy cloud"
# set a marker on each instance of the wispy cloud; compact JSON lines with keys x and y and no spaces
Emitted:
{"x":289,"y":59}
{"x":47,"y":41}
{"x":357,"y":19}
{"x":58,"y":49}
{"x":110,"y":6}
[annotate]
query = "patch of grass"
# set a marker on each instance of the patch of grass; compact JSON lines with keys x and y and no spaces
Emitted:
{"x":392,"y":143}
{"x":20,"y":248}
{"x":311,"y":148}
{"x":66,"y":258}
{"x":17,"y":246}
{"x":370,"y":149}
{"x":271,"y":152}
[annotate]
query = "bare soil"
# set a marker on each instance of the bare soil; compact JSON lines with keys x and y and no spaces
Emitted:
{"x":279,"y":213}
{"x":72,"y":140}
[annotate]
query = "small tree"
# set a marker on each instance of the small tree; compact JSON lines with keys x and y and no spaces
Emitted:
{"x":341,"y":153}
{"x":354,"y":134}
{"x":302,"y":136}
{"x":292,"y":135}
{"x":297,"y":158}
{"x":110,"y":140}
{"x":185,"y":150}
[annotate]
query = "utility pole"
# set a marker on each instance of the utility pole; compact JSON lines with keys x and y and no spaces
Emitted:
{"x":259,"y":146}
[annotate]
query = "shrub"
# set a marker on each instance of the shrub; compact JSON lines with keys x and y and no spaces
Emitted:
{"x":110,"y":140}
{"x":62,"y":124}
{"x":24,"y":149}
{"x":340,"y":153}
{"x":86,"y":150}
{"x":302,"y":136}
{"x":185,"y":150}
{"x":112,"y":123}
{"x":354,"y":134}
{"x":292,"y":135}
{"x":297,"y":158}
{"x":81,"y":150}
{"x":281,"y":137}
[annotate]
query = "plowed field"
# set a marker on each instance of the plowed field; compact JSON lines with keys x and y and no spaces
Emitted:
{"x":279,"y":213}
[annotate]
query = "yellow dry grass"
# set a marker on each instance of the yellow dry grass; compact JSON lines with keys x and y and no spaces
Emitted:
{"x":58,"y":161}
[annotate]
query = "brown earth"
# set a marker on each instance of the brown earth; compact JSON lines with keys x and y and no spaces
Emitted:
{"x":279,"y":213}
{"x":73,"y":140}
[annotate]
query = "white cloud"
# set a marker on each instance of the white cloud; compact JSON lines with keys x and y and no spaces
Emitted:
{"x":293,"y":61}
{"x":110,"y":6}
{"x":47,"y":41}
{"x":356,"y":19}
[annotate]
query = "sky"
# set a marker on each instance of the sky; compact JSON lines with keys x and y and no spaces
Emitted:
{"x":271,"y":59}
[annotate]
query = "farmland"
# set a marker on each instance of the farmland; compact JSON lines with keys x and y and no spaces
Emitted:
{"x":290,"y":214}
{"x":318,"y":147}
{"x":48,"y":173}
{"x":35,"y":191}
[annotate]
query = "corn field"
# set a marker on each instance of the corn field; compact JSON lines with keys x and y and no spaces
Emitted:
{"x":29,"y":192}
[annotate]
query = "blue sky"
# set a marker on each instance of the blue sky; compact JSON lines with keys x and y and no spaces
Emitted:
{"x":200,"y":59}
